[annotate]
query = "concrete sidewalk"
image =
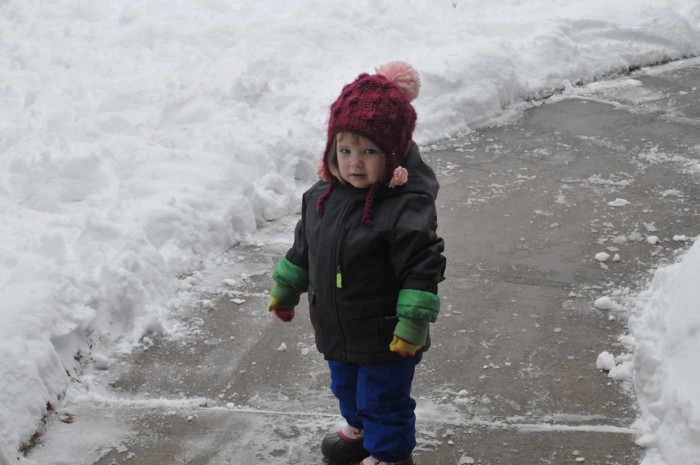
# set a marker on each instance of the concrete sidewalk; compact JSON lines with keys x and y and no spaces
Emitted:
{"x":511,"y":377}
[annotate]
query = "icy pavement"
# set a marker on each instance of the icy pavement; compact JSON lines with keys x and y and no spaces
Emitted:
{"x":527,"y":207}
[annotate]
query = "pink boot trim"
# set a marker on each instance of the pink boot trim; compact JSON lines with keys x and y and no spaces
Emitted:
{"x":350,"y":434}
{"x":372,"y":461}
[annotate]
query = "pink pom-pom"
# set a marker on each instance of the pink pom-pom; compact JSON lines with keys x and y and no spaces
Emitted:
{"x":403,"y":76}
{"x":399,"y":177}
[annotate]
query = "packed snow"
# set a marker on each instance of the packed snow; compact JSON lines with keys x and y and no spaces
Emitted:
{"x":140,"y":140}
{"x":664,"y":342}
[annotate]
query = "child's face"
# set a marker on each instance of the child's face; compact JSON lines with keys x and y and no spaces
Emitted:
{"x":360,"y":161}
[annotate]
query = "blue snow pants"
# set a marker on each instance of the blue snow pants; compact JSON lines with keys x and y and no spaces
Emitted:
{"x":377,"y":399}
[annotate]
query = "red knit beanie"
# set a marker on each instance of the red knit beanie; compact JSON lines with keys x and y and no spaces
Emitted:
{"x":379,"y":108}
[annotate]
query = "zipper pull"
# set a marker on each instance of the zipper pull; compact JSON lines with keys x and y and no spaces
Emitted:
{"x":339,"y":279}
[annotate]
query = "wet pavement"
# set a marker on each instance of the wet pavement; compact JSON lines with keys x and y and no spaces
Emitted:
{"x":524,"y":208}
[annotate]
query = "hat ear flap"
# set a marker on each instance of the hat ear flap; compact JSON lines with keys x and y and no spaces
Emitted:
{"x":321,"y":170}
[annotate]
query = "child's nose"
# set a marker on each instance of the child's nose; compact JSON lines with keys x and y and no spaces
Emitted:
{"x":356,"y":159}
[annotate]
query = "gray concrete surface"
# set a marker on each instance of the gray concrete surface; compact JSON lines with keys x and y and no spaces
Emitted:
{"x":511,"y":378}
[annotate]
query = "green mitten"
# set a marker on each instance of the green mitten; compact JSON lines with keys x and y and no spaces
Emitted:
{"x":409,"y":336}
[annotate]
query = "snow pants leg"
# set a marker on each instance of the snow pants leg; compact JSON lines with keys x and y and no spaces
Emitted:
{"x":377,"y":399}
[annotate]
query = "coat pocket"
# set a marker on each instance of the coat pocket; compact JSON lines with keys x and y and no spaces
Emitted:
{"x":368,"y":309}
{"x":369,"y":325}
{"x":315,"y":319}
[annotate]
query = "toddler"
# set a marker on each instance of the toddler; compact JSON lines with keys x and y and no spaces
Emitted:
{"x":367,"y":252}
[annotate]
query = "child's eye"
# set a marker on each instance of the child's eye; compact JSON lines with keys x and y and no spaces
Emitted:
{"x":371,"y":151}
{"x":344,"y":151}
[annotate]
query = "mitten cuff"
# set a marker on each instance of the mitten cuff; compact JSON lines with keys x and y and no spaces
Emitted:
{"x":290,"y":282}
{"x":413,"y":331}
{"x":286,"y":296}
{"x":291,"y":275}
{"x":418,"y":305}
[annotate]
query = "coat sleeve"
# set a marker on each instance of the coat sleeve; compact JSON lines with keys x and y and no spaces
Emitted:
{"x":291,"y":274}
{"x":417,"y":259}
{"x":298,"y":254}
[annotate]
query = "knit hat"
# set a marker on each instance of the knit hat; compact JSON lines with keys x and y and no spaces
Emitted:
{"x":377,"y":107}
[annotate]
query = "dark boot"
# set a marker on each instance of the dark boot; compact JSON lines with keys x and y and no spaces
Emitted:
{"x":345,"y":446}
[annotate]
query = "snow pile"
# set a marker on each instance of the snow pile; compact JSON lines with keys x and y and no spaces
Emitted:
{"x":666,"y":334}
{"x":662,"y":362}
{"x":141,"y":139}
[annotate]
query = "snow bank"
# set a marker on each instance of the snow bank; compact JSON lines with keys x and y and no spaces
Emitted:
{"x":666,"y":332}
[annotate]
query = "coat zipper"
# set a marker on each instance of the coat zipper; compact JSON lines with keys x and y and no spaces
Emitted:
{"x":338,"y":256}
{"x":339,"y":241}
